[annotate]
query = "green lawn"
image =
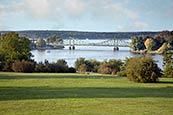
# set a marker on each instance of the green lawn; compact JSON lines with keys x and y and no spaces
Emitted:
{"x":75,"y":94}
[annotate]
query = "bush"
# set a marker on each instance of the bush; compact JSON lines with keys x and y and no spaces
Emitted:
{"x":82,"y":68}
{"x":168,"y":71}
{"x":71,"y":70}
{"x":110,"y":67}
{"x":90,"y":65}
{"x":79,"y":62}
{"x":168,"y":64}
{"x":59,"y":67}
{"x":23,"y":66}
{"x":40,"y":67}
{"x":122,"y":71}
{"x":105,"y":69}
{"x":142,"y":69}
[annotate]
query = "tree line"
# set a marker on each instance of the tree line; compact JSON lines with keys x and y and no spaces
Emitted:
{"x":158,"y":44}
{"x":80,"y":34}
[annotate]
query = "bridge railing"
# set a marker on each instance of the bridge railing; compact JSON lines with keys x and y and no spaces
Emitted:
{"x":108,"y":42}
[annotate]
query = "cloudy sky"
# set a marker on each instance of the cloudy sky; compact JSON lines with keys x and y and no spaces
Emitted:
{"x":86,"y":15}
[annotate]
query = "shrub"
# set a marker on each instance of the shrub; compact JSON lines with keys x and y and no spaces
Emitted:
{"x":168,"y":64}
{"x":23,"y":66}
{"x":82,"y":68}
{"x":110,"y":67}
{"x":59,"y":67}
{"x":90,"y":65}
{"x":40,"y":67}
{"x":105,"y":69}
{"x":71,"y":70}
{"x":168,"y":71}
{"x":142,"y":69}
{"x":122,"y":71}
{"x":79,"y":62}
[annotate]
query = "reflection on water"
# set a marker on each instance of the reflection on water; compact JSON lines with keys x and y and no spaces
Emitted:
{"x":89,"y":52}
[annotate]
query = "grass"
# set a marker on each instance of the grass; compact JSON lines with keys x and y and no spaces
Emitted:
{"x":76,"y":94}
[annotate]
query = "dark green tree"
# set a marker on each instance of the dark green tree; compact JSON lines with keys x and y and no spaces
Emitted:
{"x":92,"y":65}
{"x":137,"y":43}
{"x":79,"y":62}
{"x":61,"y":62}
{"x":110,"y":67}
{"x":142,"y":69}
{"x":168,"y":64}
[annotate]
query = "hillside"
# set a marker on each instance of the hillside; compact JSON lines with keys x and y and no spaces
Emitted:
{"x":80,"y":34}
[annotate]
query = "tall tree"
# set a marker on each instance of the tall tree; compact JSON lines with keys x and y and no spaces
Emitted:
{"x":13,"y":47}
{"x":168,"y":64}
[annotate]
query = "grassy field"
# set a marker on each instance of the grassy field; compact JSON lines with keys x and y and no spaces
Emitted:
{"x":75,"y":94}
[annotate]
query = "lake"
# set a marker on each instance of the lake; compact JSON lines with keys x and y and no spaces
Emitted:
{"x":89,"y":52}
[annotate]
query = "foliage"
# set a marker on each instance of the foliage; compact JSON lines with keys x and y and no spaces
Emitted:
{"x":71,"y":70}
{"x":156,"y":43}
{"x":168,"y":64}
{"x":82,"y":68}
{"x":59,"y":67}
{"x":23,"y":66}
{"x":79,"y":62}
{"x":168,"y":35}
{"x":61,"y":62}
{"x":107,"y":67}
{"x":142,"y":69}
{"x":137,"y":43}
{"x":110,"y":67}
{"x":122,"y":71}
{"x":80,"y":35}
{"x":13,"y":47}
{"x":90,"y":65}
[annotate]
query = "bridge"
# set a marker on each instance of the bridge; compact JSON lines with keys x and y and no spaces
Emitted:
{"x":114,"y":42}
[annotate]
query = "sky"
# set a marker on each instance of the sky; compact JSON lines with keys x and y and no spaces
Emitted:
{"x":87,"y":15}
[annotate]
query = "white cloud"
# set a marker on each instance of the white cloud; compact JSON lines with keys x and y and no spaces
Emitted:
{"x":51,"y":9}
{"x":37,"y":8}
{"x":60,"y":11}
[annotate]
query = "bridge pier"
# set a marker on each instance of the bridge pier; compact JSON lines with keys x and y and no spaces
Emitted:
{"x":71,"y":43}
{"x":116,"y":49}
{"x":71,"y":47}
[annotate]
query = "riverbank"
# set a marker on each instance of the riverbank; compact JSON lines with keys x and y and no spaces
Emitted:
{"x":147,"y":52}
{"x":156,"y":52}
{"x":48,"y":48}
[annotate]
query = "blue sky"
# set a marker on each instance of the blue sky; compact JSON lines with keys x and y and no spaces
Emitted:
{"x":87,"y":15}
